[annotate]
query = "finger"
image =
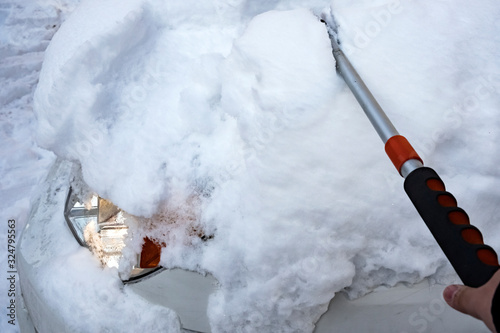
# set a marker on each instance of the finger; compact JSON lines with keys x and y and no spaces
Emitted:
{"x":462,"y":298}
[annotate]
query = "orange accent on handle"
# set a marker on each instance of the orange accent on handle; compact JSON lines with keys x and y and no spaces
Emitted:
{"x":435,"y":185}
{"x":470,"y":235}
{"x":447,"y":200}
{"x":488,"y":257}
{"x":400,"y":150}
{"x":458,"y":218}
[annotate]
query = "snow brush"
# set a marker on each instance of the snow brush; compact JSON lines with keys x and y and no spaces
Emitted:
{"x":461,"y":242}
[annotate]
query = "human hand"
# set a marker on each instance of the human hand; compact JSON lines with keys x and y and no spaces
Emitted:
{"x":475,"y":302}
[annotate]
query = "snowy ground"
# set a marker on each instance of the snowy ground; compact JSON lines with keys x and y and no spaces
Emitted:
{"x":160,"y":100}
{"x":26,"y":28}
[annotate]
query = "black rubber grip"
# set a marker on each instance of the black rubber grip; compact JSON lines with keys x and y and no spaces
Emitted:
{"x":462,"y":243}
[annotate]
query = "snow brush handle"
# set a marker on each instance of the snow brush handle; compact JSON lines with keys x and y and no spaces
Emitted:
{"x":474,"y":262}
{"x":461,"y":242}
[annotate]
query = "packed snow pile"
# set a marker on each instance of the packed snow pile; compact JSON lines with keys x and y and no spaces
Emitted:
{"x":238,"y":105}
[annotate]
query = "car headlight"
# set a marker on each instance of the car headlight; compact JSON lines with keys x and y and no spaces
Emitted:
{"x":100,"y":226}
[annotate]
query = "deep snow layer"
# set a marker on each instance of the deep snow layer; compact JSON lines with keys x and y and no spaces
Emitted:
{"x":163,"y":101}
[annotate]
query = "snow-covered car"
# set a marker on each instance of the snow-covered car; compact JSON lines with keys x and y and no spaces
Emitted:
{"x":215,"y":174}
{"x":63,"y":221}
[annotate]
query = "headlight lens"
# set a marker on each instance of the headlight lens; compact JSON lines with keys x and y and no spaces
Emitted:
{"x":100,"y":226}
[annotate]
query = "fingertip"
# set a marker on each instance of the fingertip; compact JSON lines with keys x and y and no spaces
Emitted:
{"x":449,"y":293}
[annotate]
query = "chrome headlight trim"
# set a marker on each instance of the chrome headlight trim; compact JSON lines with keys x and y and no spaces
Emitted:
{"x":75,"y":215}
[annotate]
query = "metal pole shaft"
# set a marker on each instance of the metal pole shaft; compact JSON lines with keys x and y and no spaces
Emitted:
{"x":372,"y":109}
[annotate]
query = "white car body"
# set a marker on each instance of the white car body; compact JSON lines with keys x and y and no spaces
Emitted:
{"x":417,"y":308}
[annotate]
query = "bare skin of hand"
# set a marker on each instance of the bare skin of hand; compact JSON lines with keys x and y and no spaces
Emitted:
{"x":475,"y":302}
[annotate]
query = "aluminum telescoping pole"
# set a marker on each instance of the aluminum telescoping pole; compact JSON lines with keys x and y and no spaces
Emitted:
{"x":376,"y":114}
